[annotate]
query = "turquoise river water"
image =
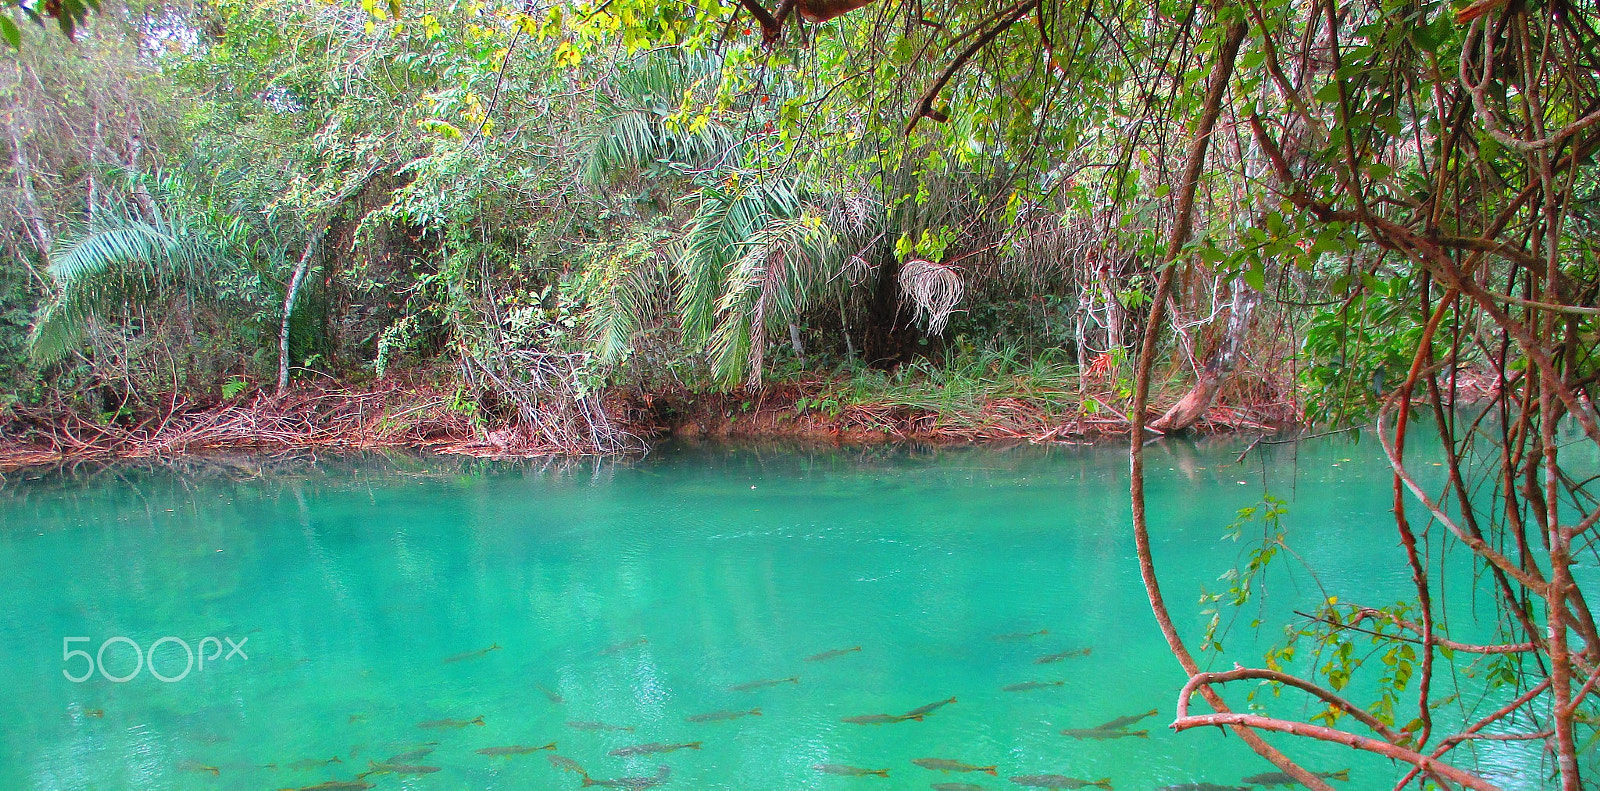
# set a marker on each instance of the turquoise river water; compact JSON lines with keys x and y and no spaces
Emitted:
{"x":636,"y":594}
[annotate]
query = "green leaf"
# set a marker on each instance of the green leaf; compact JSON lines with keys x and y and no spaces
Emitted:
{"x":1256,"y":276}
{"x":9,"y":31}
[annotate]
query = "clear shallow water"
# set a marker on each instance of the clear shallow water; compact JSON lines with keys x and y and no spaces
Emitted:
{"x":353,"y":579}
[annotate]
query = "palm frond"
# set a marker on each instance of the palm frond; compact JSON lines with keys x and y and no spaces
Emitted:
{"x":619,"y":291}
{"x":765,"y":289}
{"x":123,"y":259}
{"x":933,"y":289}
{"x":633,"y":128}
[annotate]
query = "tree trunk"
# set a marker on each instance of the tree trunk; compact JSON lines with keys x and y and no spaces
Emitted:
{"x":886,"y":340}
{"x":794,"y":340}
{"x":141,"y":195}
{"x":318,"y":231}
{"x":92,"y":202}
{"x":22,"y":169}
{"x":849,"y":345}
{"x":295,"y":282}
{"x":1219,"y":366}
{"x":1221,"y":73}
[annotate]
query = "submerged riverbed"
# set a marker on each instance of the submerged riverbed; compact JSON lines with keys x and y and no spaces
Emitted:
{"x":637,"y":595}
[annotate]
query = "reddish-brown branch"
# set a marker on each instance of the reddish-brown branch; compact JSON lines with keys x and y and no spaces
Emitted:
{"x":1408,"y":539}
{"x":924,"y":108}
{"x":1183,"y":223}
{"x":1501,"y":713}
{"x":1260,"y":674}
{"x":1354,"y":741}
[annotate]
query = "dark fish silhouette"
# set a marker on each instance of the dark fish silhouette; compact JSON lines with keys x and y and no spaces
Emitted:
{"x":472,"y":654}
{"x":722,"y":716}
{"x":313,"y":763}
{"x":653,"y":747}
{"x":196,"y":766}
{"x":623,"y":646}
{"x":922,"y":711}
{"x":1019,"y":636}
{"x":1123,"y":722}
{"x":376,"y":768}
{"x":566,"y":764}
{"x":946,"y":765}
{"x":555,"y":697}
{"x":1077,"y":652}
{"x":515,"y":749}
{"x":1029,"y":686}
{"x":771,"y":682}
{"x":1100,"y":734}
{"x":409,"y":756}
{"x":450,"y":724}
{"x":849,"y":771}
{"x":1059,"y":781}
{"x":631,"y":782}
{"x":1272,"y":779}
{"x":826,"y":655}
{"x":875,"y":719}
{"x":597,"y":726}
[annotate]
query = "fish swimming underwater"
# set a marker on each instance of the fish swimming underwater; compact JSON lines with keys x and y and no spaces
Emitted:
{"x":849,"y":771}
{"x":375,"y":768}
{"x":1018,"y":637}
{"x":516,"y":749}
{"x":835,"y":653}
{"x":631,"y":782}
{"x":1052,"y":658}
{"x":472,"y":654}
{"x":875,"y":719}
{"x":722,"y":716}
{"x":1028,"y":686}
{"x":623,"y":646}
{"x":566,"y":764}
{"x":450,"y":724}
{"x":196,"y":766}
{"x":313,"y":763}
{"x":771,"y":682}
{"x":1100,"y":734}
{"x":1272,"y":779}
{"x":1059,"y":781}
{"x":597,"y":726}
{"x":922,"y":711}
{"x":409,"y":756}
{"x":1123,"y":722}
{"x":653,"y":747}
{"x":946,"y":765}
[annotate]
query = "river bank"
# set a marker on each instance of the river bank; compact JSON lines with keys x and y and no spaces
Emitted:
{"x":427,"y":414}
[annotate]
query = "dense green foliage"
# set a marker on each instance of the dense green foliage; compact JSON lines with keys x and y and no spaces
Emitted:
{"x":658,"y":202}
{"x":938,"y":206}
